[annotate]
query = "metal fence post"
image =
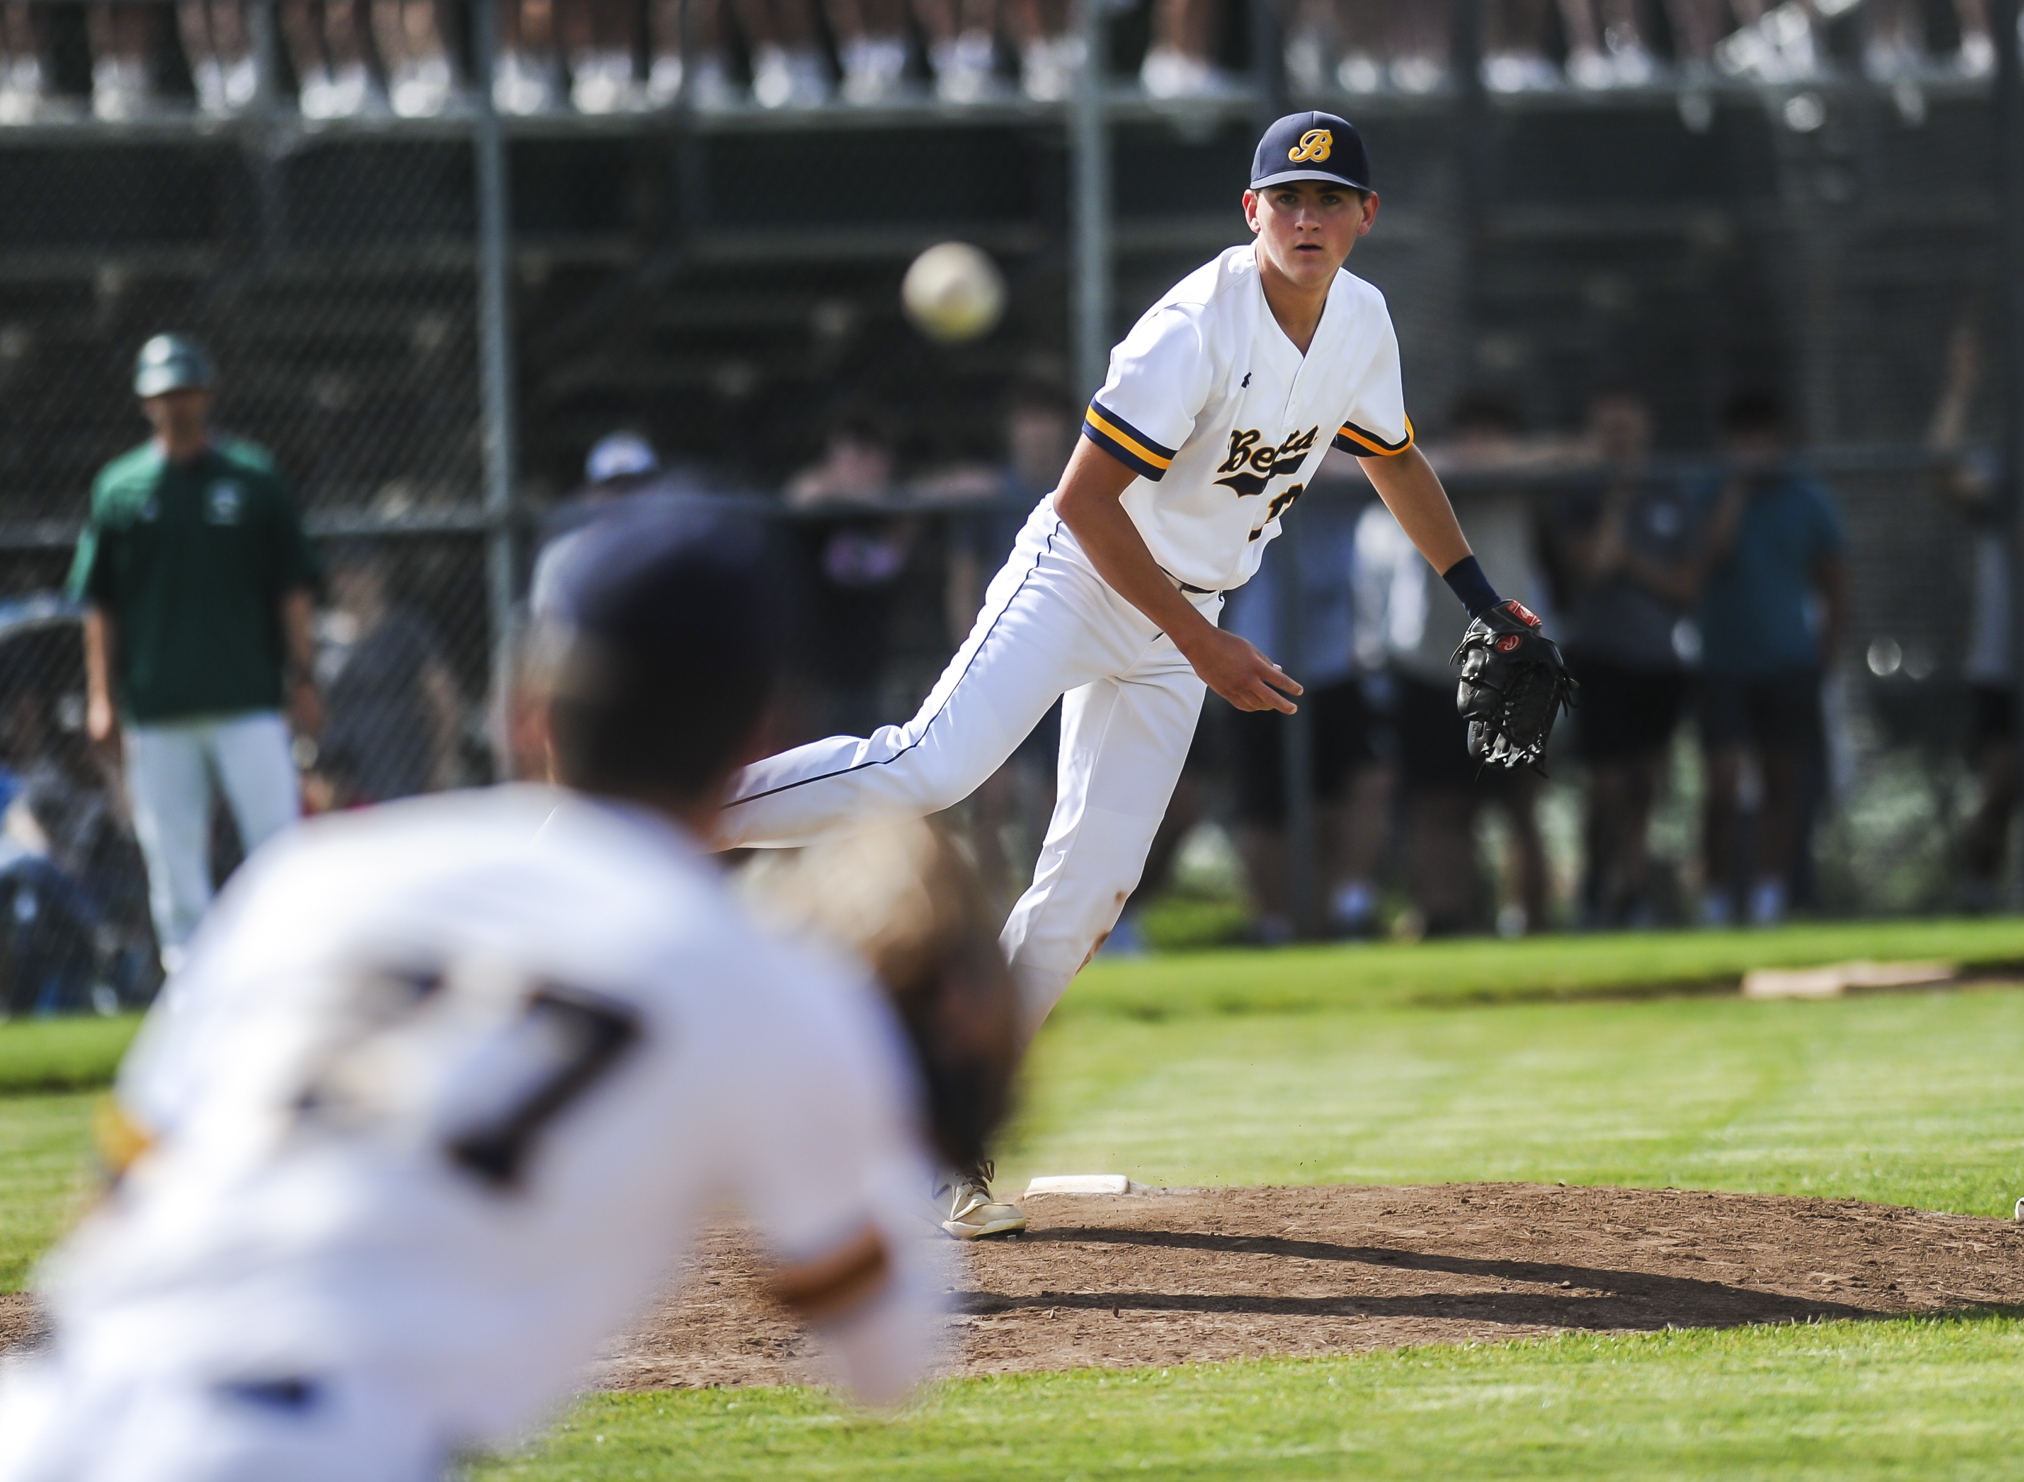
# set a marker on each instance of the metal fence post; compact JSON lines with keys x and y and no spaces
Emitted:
{"x":2009,"y":125}
{"x":495,"y":346}
{"x":1090,"y":208}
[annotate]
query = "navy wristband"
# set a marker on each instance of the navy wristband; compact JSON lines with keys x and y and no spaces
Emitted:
{"x":1466,"y":580}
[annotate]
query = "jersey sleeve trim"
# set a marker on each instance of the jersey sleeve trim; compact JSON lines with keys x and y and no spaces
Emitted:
{"x":1362,"y":443}
{"x":1125,"y":442}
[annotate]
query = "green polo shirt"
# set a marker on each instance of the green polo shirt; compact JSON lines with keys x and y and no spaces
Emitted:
{"x":191,"y":560}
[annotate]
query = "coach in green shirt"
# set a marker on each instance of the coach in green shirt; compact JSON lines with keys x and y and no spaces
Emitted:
{"x":198,"y":583}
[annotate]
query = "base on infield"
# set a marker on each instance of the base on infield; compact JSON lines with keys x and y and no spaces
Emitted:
{"x":1079,"y":1183}
{"x":1198,"y":1275}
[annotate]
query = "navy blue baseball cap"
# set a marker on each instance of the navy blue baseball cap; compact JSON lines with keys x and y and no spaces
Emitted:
{"x":658,"y":639}
{"x":1311,"y":146}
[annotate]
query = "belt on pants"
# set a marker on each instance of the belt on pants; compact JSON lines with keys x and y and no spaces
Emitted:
{"x":1181,"y":586}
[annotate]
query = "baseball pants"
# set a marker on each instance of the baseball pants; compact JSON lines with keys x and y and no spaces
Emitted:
{"x":171,"y":769}
{"x":1050,"y":628}
{"x":57,"y":1425}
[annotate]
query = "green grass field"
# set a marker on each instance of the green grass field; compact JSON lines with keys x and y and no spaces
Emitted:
{"x":1846,"y":1401}
{"x":1398,"y":1064}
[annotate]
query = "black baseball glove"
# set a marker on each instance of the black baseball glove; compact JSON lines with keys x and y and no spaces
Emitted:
{"x":1514,"y":685}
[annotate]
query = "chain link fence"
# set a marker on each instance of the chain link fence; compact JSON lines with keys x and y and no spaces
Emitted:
{"x":302,"y":186}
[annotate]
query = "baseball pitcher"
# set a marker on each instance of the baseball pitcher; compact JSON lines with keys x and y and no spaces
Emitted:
{"x":1218,"y":407}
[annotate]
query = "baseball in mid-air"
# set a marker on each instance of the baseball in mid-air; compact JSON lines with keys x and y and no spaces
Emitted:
{"x":954,"y":292}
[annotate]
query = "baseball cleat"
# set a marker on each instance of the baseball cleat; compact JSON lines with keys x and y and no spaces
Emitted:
{"x":967,"y":1210}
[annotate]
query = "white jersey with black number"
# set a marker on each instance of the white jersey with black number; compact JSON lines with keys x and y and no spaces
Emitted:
{"x":443,"y":1093}
{"x":1223,"y":419}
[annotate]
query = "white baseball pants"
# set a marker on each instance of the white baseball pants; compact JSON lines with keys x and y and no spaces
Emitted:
{"x":1050,"y":627}
{"x":59,"y":1425}
{"x":171,"y":768}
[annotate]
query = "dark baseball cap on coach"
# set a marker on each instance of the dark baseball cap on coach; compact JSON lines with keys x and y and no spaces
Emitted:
{"x":1311,"y":146}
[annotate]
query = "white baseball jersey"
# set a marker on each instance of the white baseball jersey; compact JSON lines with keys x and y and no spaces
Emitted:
{"x":1222,"y":418}
{"x":442,"y":1093}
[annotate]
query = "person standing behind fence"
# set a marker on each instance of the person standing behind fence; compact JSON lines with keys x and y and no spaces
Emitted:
{"x":1774,"y":549}
{"x":1623,"y":547}
{"x":1969,"y":476}
{"x":198,"y":583}
{"x":395,"y":718}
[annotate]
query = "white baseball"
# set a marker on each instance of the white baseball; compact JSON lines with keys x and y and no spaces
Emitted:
{"x":954,"y":292}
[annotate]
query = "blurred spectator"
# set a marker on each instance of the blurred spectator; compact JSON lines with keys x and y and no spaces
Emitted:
{"x":1606,"y":44}
{"x":26,"y":67}
{"x":48,"y":925}
{"x":527,"y":73}
{"x":393,"y":719}
{"x":1414,"y":628}
{"x":855,"y":562}
{"x":1342,"y":43}
{"x":1623,"y":547}
{"x":1977,"y":56}
{"x":871,"y":45}
{"x":126,"y":45}
{"x":416,"y":45}
{"x":49,"y":928}
{"x":1894,"y":39}
{"x":220,"y":52}
{"x":1969,"y":478}
{"x":327,"y":43}
{"x":199,"y":583}
{"x":601,"y":38}
{"x":1423,"y":39}
{"x":65,"y":833}
{"x":785,"y":43}
{"x":1696,"y":26}
{"x":1050,"y":51}
{"x":1018,"y":799}
{"x":666,"y":52}
{"x":1351,"y":788}
{"x":1514,"y":47}
{"x":1181,"y":62}
{"x":1773,"y":549}
{"x":962,"y":48}
{"x":619,"y":464}
{"x":623,"y":465}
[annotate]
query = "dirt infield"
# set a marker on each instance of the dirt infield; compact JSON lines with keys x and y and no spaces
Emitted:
{"x":1182,"y":1277}
{"x":1187,"y":1276}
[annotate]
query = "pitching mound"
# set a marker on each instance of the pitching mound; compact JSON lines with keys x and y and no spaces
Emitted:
{"x":1183,"y":1277}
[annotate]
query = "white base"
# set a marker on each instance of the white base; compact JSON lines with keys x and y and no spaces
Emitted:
{"x":1832,"y":982}
{"x":1080,"y":1183}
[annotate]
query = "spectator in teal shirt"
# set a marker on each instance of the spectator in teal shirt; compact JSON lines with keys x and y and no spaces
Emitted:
{"x":1773,"y":598}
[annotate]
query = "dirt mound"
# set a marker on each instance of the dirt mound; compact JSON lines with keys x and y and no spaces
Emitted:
{"x":20,"y":1323}
{"x":1187,"y":1276}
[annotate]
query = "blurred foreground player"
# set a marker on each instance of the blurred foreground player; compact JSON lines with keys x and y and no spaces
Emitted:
{"x":1218,"y":408}
{"x":446,"y":1086}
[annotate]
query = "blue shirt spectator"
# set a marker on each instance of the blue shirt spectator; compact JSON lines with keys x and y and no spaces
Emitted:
{"x":1756,"y":613}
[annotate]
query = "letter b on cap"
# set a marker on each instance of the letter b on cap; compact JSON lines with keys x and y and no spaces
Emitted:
{"x":1314,"y":145}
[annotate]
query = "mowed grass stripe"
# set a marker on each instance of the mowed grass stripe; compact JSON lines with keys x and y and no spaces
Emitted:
{"x":1903,"y":1099}
{"x":39,"y":1055}
{"x":1478,"y":970}
{"x":1912,"y":1398}
{"x":45,"y":1175}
